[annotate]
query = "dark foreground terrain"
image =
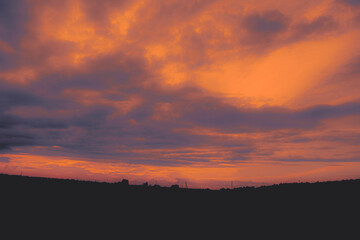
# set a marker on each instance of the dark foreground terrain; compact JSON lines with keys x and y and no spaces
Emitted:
{"x":26,"y":189}
{"x":90,"y":203}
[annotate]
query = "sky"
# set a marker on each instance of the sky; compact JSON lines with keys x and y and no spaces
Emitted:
{"x":208,"y":93}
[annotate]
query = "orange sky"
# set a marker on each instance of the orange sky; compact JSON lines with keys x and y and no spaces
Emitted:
{"x":205,"y":91}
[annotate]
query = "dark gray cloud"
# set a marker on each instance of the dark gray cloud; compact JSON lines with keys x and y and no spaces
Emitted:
{"x":319,"y":26}
{"x":351,"y":2}
{"x":262,"y":30}
{"x":14,"y":138}
{"x":352,"y":67}
{"x":11,"y":96}
{"x":269,"y":22}
{"x":99,"y":14}
{"x":213,"y":113}
{"x":12,"y":18}
{"x":357,"y":20}
{"x":347,"y":137}
{"x":4,"y":159}
{"x":329,"y":160}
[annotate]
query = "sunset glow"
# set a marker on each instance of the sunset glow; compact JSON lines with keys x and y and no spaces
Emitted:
{"x":205,"y":92}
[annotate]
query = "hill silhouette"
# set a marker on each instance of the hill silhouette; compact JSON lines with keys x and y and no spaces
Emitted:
{"x":75,"y":203}
{"x":302,"y":192}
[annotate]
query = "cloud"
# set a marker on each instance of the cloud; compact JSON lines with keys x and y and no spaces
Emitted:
{"x":318,"y":26}
{"x":269,"y":22}
{"x":9,"y":139}
{"x":261,"y":29}
{"x":4,"y":159}
{"x":13,"y":15}
{"x":84,"y":115}
{"x":10,"y":97}
{"x":215,"y":114}
{"x":351,"y":2}
{"x":327,"y":160}
{"x":352,"y":67}
{"x":177,"y":84}
{"x":337,"y":87}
